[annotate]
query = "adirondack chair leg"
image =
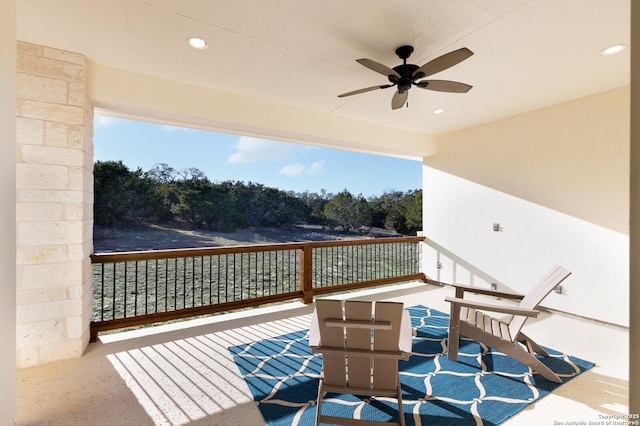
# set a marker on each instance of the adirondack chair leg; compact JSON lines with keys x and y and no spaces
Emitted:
{"x":319,"y":404}
{"x":529,"y":360}
{"x":400,"y":409}
{"x":454,"y":333}
{"x":532,"y":346}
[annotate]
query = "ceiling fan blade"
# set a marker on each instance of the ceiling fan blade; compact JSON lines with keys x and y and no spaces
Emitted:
{"x":377,"y":67}
{"x":444,"y":86}
{"x":442,"y":62}
{"x":366,"y":89}
{"x":399,"y":99}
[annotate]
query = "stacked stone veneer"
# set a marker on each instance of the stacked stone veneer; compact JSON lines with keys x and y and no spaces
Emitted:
{"x":54,"y":186}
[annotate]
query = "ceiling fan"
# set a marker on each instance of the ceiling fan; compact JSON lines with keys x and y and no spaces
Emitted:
{"x":406,"y":75}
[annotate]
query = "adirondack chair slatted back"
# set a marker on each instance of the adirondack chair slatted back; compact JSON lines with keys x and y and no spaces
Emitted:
{"x":531,"y":301}
{"x":359,"y":325}
{"x":333,"y":365}
{"x":385,"y":371}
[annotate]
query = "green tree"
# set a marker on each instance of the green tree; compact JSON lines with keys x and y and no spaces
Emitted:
{"x":405,"y":216}
{"x":259,"y":205}
{"x":414,"y":211}
{"x":277,"y":208}
{"x":205,"y":204}
{"x":121,"y":197}
{"x":382,"y":205}
{"x":193,"y":204}
{"x":162,"y":173}
{"x":162,"y":178}
{"x":315,"y":205}
{"x":348,"y":212}
{"x":397,"y":210}
{"x":162,"y":194}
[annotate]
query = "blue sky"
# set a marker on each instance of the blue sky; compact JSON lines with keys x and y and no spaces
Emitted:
{"x":221,"y":156}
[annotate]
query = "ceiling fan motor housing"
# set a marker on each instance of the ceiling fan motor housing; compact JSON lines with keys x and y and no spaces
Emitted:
{"x":405,"y":70}
{"x":406,"y":76}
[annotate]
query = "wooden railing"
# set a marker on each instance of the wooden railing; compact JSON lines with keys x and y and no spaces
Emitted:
{"x":136,"y":288}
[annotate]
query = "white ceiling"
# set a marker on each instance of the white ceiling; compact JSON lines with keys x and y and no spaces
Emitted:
{"x":528,"y":53}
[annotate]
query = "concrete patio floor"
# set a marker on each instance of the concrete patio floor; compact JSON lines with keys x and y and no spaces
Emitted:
{"x":183,"y":374}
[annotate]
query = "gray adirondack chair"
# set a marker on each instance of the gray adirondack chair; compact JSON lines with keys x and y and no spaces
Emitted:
{"x":468,"y":318}
{"x":361,"y":343}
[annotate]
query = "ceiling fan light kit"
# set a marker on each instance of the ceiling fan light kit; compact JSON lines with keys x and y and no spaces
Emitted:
{"x":406,"y":75}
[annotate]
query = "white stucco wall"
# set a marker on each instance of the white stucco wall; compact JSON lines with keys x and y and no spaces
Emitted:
{"x":556,"y":180}
{"x":7,"y":211}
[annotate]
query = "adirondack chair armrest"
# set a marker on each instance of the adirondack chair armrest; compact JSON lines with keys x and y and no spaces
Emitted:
{"x":406,"y":333}
{"x":474,"y":304}
{"x":461,"y":289}
{"x":314,"y":331}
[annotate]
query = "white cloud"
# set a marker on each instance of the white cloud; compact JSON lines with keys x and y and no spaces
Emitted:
{"x":316,"y":167}
{"x":102,"y":121}
{"x":251,"y":150}
{"x":293,"y":170}
{"x":297,"y":169}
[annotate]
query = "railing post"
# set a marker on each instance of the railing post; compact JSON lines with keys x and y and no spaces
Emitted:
{"x":306,"y":273}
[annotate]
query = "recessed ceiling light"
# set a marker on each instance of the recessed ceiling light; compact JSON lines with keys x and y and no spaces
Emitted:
{"x":438,"y":111}
{"x":613,"y":49}
{"x":197,"y":43}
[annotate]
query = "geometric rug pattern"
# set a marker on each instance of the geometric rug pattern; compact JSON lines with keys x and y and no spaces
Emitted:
{"x":484,"y":387}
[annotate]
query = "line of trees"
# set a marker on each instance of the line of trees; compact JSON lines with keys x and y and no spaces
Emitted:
{"x":124,"y":198}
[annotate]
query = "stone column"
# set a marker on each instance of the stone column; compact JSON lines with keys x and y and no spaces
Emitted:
{"x":54,"y":206}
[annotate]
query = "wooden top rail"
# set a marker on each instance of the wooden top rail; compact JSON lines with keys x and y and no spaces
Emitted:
{"x":213,"y":251}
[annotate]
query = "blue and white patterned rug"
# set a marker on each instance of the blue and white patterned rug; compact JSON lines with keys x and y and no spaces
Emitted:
{"x":483,"y":387}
